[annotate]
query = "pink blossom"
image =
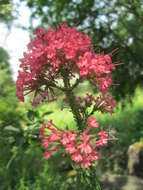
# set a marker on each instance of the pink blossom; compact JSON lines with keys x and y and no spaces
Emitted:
{"x":47,"y":155}
{"x":103,"y":133}
{"x":101,"y":142}
{"x":84,"y":61}
{"x":76,"y":157}
{"x":84,"y":72}
{"x":85,"y":148}
{"x":45,"y":143}
{"x":94,"y":156}
{"x":70,"y":148}
{"x":103,"y":138}
{"x":65,"y":140}
{"x":81,"y":146}
{"x":71,"y":136}
{"x":104,"y":83}
{"x":54,"y":137}
{"x":92,"y":122}
{"x":85,"y":162}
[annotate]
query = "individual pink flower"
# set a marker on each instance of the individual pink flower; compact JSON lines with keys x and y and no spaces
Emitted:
{"x":71,"y":136}
{"x":54,"y":137}
{"x":70,"y":148}
{"x":85,"y":137}
{"x":104,"y":83}
{"x":101,"y":142}
{"x":45,"y":142}
{"x":85,"y":148}
{"x":92,"y":122}
{"x":76,"y":157}
{"x":85,"y":162}
{"x":84,"y":61}
{"x":94,"y":156}
{"x":47,"y":155}
{"x":83,"y":72}
{"x":103,"y":139}
{"x":103,"y":133}
{"x":65,"y":140}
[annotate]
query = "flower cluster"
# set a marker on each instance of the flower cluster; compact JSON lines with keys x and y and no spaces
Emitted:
{"x":47,"y":52}
{"x":103,"y":103}
{"x":98,"y":67}
{"x":56,"y":51}
{"x":82,"y":147}
{"x":55,"y":58}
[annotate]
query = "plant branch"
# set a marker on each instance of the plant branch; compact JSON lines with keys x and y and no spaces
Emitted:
{"x":76,"y":83}
{"x":58,"y":87}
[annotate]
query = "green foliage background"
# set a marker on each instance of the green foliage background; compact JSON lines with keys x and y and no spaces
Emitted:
{"x":111,"y":24}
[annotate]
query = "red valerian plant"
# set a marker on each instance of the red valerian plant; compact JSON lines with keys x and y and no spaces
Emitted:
{"x":81,"y":147}
{"x":67,"y":55}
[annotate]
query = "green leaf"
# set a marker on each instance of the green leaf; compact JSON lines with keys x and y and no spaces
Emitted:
{"x":32,"y":115}
{"x":12,"y":129}
{"x":47,"y":113}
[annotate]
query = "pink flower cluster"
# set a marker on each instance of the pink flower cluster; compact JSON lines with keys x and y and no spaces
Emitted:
{"x":54,"y":50}
{"x":82,"y":147}
{"x":98,"y":67}
{"x":46,"y":53}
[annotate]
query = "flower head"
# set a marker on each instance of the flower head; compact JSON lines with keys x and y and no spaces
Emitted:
{"x":80,"y":146}
{"x":56,"y":49}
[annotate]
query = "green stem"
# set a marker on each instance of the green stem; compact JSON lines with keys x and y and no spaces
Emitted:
{"x":74,"y":108}
{"x":94,"y":177}
{"x":87,"y":179}
{"x":98,"y":187}
{"x":71,"y":99}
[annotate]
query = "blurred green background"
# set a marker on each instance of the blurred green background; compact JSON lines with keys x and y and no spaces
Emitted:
{"x":110,"y":24}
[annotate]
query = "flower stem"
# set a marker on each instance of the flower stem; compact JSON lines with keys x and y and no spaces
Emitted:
{"x":74,"y":108}
{"x":71,"y":99}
